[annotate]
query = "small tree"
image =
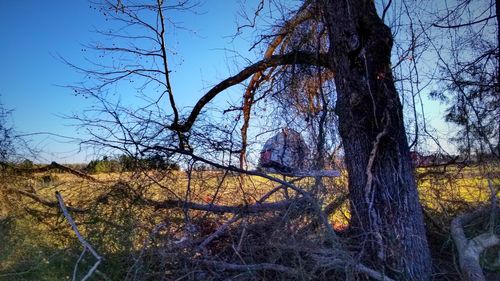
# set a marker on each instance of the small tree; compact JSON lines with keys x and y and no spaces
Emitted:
{"x":6,"y":135}
{"x":471,"y":75}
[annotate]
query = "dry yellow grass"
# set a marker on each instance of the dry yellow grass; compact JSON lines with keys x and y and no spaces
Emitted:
{"x":119,"y":225}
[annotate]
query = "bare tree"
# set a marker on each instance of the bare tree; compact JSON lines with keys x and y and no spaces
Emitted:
{"x":469,"y":61}
{"x":6,"y":135}
{"x":351,"y":55}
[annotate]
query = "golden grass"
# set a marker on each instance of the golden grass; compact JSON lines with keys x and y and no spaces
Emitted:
{"x":456,"y":186}
{"x":464,"y":186}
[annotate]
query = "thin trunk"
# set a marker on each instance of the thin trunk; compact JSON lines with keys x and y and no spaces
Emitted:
{"x":384,"y":200}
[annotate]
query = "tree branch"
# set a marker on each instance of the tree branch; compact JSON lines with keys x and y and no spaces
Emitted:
{"x":302,"y":15}
{"x":222,"y":209}
{"x":470,"y":250}
{"x":43,"y":201}
{"x":297,"y":57}
{"x":251,"y":267}
{"x":82,"y":240}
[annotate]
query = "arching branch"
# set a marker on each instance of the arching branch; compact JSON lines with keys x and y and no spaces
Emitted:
{"x":297,"y":57}
{"x":301,"y":16}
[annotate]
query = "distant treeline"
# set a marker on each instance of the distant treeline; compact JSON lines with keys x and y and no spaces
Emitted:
{"x":425,"y":160}
{"x":106,"y":164}
{"x":126,"y":163}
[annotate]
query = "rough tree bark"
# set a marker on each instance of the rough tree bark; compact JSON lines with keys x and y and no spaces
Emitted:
{"x":384,"y":201}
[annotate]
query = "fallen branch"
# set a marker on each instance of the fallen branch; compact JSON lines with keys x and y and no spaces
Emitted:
{"x":335,"y":204}
{"x":251,"y":267}
{"x":469,"y":250}
{"x":86,"y":245}
{"x":55,"y":165}
{"x":372,"y":273}
{"x":44,"y":201}
{"x":230,"y":168}
{"x":275,"y":189}
{"x":222,"y":209}
{"x":330,"y":259}
{"x":52,"y":166}
{"x":216,"y":234}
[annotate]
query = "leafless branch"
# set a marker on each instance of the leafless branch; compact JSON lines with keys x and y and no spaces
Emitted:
{"x":297,"y":57}
{"x":469,"y":250}
{"x":465,"y":24}
{"x":372,"y":273}
{"x":248,"y":99}
{"x":254,"y":209}
{"x":165,"y":61}
{"x":220,"y":230}
{"x":44,"y":201}
{"x":82,"y":240}
{"x":251,"y":267}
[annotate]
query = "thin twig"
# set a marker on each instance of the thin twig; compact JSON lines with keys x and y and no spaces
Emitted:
{"x":75,"y":270}
{"x":218,"y":232}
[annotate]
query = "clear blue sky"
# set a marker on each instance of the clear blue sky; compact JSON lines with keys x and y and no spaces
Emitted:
{"x":33,"y":33}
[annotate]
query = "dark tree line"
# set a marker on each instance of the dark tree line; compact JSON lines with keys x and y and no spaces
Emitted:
{"x":126,"y":163}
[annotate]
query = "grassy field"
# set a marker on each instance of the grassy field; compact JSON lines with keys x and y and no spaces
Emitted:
{"x":36,"y":242}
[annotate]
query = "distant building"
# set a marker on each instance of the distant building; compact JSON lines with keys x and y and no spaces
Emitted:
{"x":420,"y":160}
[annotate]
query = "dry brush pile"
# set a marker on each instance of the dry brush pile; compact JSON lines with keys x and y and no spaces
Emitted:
{"x":217,"y":225}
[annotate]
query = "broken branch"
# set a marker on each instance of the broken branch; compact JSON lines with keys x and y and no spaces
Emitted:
{"x":82,"y":240}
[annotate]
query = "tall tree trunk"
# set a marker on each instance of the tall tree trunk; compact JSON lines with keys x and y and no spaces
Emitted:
{"x":384,"y":201}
